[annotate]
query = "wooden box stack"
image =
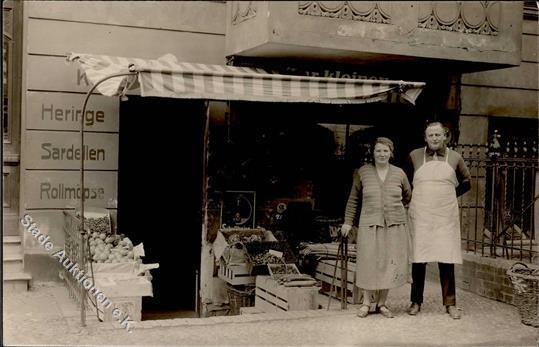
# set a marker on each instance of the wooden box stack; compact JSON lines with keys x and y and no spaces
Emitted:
{"x":236,"y":274}
{"x":273,"y":297}
{"x":123,"y":289}
{"x":236,"y":271}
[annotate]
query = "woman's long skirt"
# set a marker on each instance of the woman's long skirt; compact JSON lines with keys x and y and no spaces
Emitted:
{"x":382,"y":257}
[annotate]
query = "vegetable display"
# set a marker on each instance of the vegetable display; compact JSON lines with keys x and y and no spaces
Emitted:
{"x":98,"y":224}
{"x":106,"y":248}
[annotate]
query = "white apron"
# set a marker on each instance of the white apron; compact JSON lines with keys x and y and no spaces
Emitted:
{"x":434,"y":214}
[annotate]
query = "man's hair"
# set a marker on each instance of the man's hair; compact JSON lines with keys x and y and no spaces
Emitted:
{"x":436,"y":123}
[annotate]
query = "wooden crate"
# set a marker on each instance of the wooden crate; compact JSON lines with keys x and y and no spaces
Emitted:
{"x":128,"y":305}
{"x":236,"y":274}
{"x":324,"y":272}
{"x":273,"y":297}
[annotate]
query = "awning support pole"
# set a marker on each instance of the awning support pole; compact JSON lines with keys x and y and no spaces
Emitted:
{"x":82,"y":258}
{"x":205,"y":149}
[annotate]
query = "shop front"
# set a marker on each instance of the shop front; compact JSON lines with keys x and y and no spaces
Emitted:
{"x":281,"y":141}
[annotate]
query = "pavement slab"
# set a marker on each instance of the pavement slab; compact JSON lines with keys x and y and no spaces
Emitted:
{"x":47,"y":316}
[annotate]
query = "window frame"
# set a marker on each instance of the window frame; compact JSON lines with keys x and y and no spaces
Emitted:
{"x":11,"y":138}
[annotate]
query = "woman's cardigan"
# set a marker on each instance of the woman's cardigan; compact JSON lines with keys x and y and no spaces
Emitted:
{"x":381,"y":202}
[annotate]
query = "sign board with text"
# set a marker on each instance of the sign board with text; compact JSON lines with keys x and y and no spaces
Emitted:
{"x":63,"y":111}
{"x":60,"y":189}
{"x":61,"y":150}
{"x":46,"y":73}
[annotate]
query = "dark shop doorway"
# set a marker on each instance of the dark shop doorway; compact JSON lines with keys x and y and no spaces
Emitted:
{"x":159,"y":196}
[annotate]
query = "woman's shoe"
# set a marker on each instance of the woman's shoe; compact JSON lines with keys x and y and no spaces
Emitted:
{"x":386,"y":312}
{"x":363,"y":311}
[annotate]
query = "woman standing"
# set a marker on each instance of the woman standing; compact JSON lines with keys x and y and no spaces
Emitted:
{"x":380,"y":192}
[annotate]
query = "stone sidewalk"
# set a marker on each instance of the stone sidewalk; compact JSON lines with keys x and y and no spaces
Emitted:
{"x":46,"y":316}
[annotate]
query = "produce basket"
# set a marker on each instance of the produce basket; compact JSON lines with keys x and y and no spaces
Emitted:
{"x":281,"y":270}
{"x":97,"y":220}
{"x":526,"y":290}
{"x":240,"y":298}
{"x":258,"y":248}
{"x":228,"y":238}
{"x":242,"y":234}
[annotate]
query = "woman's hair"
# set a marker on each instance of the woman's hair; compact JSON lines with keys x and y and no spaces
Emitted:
{"x":385,"y":141}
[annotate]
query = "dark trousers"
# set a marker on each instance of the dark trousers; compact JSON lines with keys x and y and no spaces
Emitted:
{"x":447,"y":281}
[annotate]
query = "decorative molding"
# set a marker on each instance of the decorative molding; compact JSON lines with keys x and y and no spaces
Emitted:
{"x":5,"y":199}
{"x":470,"y":17}
{"x":8,"y":22}
{"x":242,"y":11}
{"x":531,"y":10}
{"x":11,"y":158}
{"x":363,"y":11}
{"x":10,"y":182}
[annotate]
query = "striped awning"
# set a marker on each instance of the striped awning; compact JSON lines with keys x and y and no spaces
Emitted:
{"x":166,"y":77}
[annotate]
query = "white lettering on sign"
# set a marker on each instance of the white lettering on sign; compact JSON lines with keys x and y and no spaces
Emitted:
{"x":71,"y":153}
{"x":339,"y":74}
{"x":60,"y":191}
{"x":71,"y":115}
{"x":327,"y":73}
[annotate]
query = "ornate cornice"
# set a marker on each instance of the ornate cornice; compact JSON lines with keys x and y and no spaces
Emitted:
{"x":470,"y":17}
{"x":242,"y":11}
{"x":364,"y":11}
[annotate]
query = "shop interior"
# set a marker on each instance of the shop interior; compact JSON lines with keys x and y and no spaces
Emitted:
{"x":303,"y":154}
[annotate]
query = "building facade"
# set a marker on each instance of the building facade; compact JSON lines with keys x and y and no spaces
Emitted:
{"x":146,"y":157}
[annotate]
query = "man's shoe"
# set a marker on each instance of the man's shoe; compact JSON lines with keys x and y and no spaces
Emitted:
{"x":453,"y":312}
{"x":414,"y":309}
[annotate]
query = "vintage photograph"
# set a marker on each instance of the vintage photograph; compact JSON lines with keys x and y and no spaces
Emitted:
{"x":270,"y":173}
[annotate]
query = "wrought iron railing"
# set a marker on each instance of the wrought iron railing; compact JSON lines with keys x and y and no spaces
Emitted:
{"x":498,"y":214}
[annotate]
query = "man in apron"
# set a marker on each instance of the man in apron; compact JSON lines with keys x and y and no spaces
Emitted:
{"x":439,"y":176}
